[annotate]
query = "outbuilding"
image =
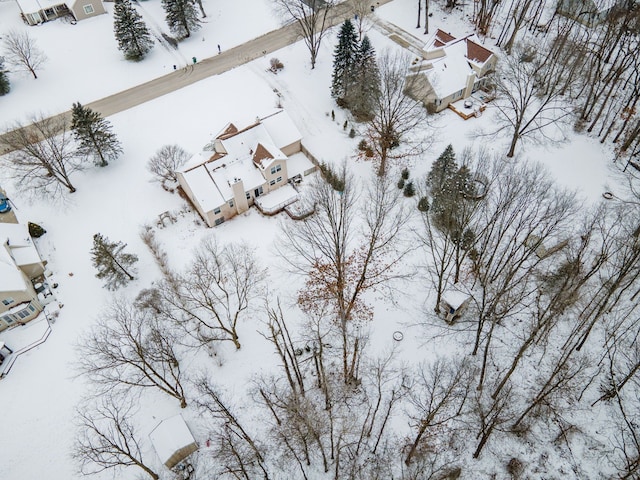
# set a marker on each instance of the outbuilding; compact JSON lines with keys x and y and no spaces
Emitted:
{"x":173,"y":441}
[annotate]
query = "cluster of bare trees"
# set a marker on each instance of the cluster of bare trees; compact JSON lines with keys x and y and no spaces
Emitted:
{"x":554,"y":290}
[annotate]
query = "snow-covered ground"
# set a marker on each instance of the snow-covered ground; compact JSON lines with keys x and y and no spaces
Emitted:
{"x":38,"y":397}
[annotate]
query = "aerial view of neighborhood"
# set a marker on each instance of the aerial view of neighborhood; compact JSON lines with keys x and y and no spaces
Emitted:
{"x":319,"y":239}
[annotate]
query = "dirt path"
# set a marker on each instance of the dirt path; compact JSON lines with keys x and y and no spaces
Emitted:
{"x":227,"y":60}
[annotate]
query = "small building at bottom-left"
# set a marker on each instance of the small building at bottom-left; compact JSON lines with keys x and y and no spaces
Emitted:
{"x":23,"y":287}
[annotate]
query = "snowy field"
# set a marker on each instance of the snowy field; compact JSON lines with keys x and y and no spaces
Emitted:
{"x":37,"y":399}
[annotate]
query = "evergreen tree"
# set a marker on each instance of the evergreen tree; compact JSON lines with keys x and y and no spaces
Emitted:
{"x":442,"y":170}
{"x":182,"y":17}
{"x":344,"y":59}
{"x":113,"y":265}
{"x":4,"y":80}
{"x":131,"y":32}
{"x":366,"y":81}
{"x":94,"y":135}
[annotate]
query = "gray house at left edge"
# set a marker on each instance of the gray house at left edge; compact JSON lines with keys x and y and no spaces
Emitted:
{"x":35,"y":12}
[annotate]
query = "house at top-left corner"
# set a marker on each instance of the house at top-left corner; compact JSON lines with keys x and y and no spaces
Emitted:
{"x":34,"y":12}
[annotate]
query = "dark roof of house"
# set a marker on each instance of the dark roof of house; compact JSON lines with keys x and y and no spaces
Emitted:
{"x":261,"y":154}
{"x":476,"y":52}
{"x":442,"y":38}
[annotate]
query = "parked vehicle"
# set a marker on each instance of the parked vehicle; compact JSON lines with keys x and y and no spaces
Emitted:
{"x":4,"y":203}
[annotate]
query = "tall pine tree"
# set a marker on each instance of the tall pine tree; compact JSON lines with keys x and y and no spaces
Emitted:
{"x":114,"y":266}
{"x":131,"y":32}
{"x":5,"y":86}
{"x":96,"y":140}
{"x":442,"y":171}
{"x":344,"y":59}
{"x":181,"y":16}
{"x":366,"y":76}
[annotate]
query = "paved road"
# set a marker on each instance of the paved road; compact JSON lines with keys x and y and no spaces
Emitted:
{"x":227,"y":60}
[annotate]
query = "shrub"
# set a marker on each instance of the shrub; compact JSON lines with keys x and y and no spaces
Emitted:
{"x":276,"y":65}
{"x":35,"y":230}
{"x":409,"y":190}
{"x":362,"y":146}
{"x":352,"y":133}
{"x":405,"y":173}
{"x":344,"y":125}
{"x":423,"y":204}
{"x":368,"y":152}
{"x":401,"y":183}
{"x":331,"y":178}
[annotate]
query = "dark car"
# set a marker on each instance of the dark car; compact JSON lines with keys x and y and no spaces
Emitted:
{"x":4,"y":203}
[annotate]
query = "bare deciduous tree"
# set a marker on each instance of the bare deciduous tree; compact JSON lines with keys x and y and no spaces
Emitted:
{"x":22,"y":52}
{"x":215,"y":293}
{"x":240,"y":455}
{"x":42,"y":155}
{"x":312,"y":18}
{"x":129,"y":348}
{"x":522,"y":216}
{"x":529,"y":94}
{"x":164,"y":163}
{"x":107,"y":437}
{"x":341,"y":262}
{"x":438,"y":395}
{"x":395,"y":114}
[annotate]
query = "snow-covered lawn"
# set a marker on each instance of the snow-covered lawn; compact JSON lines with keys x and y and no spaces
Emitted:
{"x":38,"y":397}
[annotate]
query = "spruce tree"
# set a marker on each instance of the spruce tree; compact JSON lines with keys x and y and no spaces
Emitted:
{"x":344,"y":59}
{"x":181,"y":16}
{"x":114,"y":266}
{"x":366,"y":81}
{"x":442,"y":170}
{"x":96,"y":140}
{"x":5,"y":86}
{"x":131,"y":32}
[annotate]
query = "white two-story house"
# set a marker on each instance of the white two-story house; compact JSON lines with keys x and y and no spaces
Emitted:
{"x":242,"y":164}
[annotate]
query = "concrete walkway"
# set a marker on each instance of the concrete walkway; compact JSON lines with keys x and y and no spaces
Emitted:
{"x":225,"y":61}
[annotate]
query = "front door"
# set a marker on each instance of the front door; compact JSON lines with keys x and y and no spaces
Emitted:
{"x":257,"y":192}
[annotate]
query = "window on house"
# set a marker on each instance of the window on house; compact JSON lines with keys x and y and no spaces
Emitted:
{"x":8,"y":301}
{"x":8,"y":319}
{"x":217,"y":211}
{"x":248,"y":195}
{"x":231,"y":204}
{"x":275,"y":169}
{"x":272,"y":182}
{"x":88,"y":9}
{"x":219,"y":220}
{"x":279,"y":179}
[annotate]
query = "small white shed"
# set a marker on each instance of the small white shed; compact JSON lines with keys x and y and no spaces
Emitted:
{"x":453,"y":303}
{"x":173,"y":441}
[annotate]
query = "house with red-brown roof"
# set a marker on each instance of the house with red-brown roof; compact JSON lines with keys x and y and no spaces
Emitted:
{"x":241,"y":167}
{"x":451,"y":69}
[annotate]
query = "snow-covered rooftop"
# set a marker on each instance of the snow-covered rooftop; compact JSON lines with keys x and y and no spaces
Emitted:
{"x":11,"y":279}
{"x":169,"y":436}
{"x":32,"y":6}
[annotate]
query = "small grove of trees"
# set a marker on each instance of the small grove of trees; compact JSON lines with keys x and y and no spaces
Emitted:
{"x":181,"y":16}
{"x":312,"y":18}
{"x":355,"y":81}
{"x":131,"y":33}
{"x":164,"y":163}
{"x":94,"y":136}
{"x":114,"y":266}
{"x":22,"y":52}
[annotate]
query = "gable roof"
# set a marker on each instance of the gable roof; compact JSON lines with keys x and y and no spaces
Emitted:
{"x":476,"y":52}
{"x":243,"y":155}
